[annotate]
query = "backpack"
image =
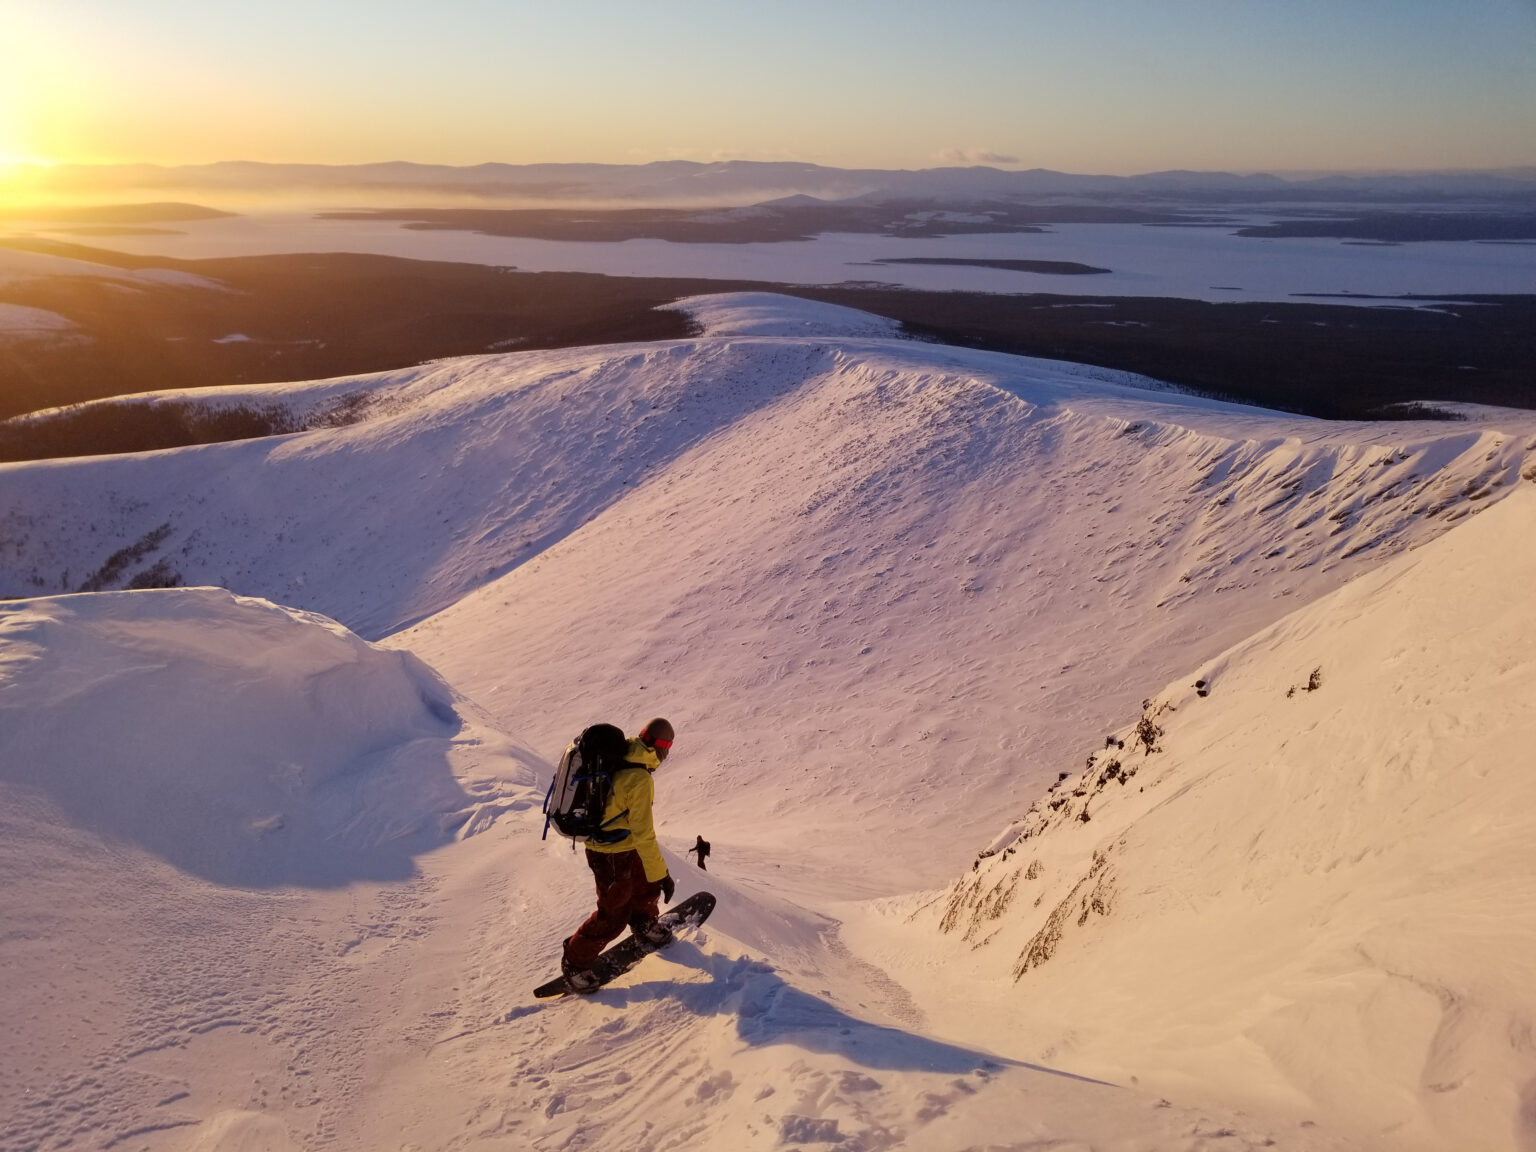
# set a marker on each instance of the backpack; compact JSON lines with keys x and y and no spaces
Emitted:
{"x":583,"y":783}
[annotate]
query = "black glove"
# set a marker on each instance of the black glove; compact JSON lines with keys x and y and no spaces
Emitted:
{"x":668,"y":886}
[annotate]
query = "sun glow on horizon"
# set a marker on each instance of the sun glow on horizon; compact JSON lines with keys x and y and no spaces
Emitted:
{"x":13,"y":141}
{"x":20,"y":67}
{"x":19,"y":180}
{"x":94,"y":83}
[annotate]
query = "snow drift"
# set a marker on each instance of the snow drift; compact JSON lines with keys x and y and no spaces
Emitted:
{"x":243,"y":742}
{"x":214,"y":812}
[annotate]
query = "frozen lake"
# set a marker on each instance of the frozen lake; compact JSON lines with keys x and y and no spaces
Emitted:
{"x":1200,"y":263}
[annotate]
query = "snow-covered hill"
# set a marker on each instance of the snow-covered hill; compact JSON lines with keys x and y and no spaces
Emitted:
{"x":18,"y":266}
{"x":1304,"y":872}
{"x":913,"y":575}
{"x":267,"y":887}
{"x":246,"y":907}
{"x":888,"y":592}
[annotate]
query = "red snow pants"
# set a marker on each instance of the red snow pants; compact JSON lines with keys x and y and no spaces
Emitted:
{"x":625,"y":899}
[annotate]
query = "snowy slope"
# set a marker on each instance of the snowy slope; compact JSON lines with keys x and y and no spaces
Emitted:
{"x":1313,"y":884}
{"x":18,"y":322}
{"x":299,"y":707}
{"x":888,"y":592}
{"x":882,"y":564}
{"x":19,"y":266}
{"x":263,"y":889}
{"x":901,"y":591}
{"x":177,"y":770}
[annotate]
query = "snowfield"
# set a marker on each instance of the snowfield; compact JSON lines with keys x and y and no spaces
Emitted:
{"x":19,"y":266}
{"x":18,"y":322}
{"x":270,"y":869}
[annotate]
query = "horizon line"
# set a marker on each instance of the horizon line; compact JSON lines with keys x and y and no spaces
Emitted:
{"x":9,"y":163}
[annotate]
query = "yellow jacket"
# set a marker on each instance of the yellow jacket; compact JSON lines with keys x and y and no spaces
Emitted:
{"x":629,"y":809}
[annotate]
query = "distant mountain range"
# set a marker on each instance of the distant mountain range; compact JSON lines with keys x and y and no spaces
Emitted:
{"x":740,"y":182}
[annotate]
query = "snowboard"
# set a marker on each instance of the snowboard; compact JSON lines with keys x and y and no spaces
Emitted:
{"x":624,"y":955}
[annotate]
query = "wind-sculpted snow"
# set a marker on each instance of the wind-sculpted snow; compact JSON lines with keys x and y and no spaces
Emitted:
{"x":242,"y":742}
{"x":177,"y":768}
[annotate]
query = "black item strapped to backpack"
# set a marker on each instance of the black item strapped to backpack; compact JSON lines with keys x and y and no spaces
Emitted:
{"x":583,"y":783}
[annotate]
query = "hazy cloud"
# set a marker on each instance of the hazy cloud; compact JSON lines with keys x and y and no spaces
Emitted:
{"x":974,"y":156}
{"x":718,"y":155}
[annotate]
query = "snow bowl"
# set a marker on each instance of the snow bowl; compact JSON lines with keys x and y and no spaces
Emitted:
{"x":243,"y":742}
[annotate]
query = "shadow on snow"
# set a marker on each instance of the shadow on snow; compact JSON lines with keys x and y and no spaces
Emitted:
{"x":769,"y":1011}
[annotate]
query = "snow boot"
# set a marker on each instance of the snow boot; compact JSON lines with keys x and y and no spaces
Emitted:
{"x":582,"y":980}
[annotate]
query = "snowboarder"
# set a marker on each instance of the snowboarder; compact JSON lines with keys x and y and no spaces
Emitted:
{"x":631,"y":875}
{"x":701,"y":849}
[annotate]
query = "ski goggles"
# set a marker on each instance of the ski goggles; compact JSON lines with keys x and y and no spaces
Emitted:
{"x":664,"y":745}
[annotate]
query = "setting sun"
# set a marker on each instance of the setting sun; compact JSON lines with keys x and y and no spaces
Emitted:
{"x":12,"y":148}
{"x":20,"y":184}
{"x":19,"y":66}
